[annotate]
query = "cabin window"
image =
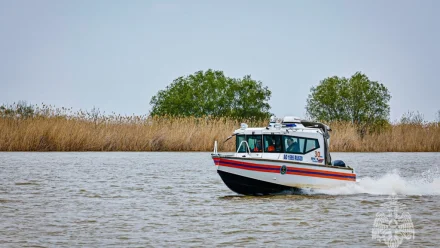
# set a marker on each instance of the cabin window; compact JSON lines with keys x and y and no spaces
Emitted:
{"x":239,"y":139}
{"x":299,"y":145}
{"x":311,"y":144}
{"x":254,"y":141}
{"x":272,"y":143}
{"x":293,"y":144}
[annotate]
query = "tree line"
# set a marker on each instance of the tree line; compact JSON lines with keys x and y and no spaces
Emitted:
{"x":357,"y":99}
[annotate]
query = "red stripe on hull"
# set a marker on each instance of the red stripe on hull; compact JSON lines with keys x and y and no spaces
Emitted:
{"x":270,"y":169}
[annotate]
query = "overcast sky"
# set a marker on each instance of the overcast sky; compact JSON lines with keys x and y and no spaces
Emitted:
{"x":116,"y":55}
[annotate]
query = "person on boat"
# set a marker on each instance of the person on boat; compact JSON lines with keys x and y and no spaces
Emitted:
{"x":292,"y":146}
{"x":278,"y":147}
{"x":271,"y":147}
{"x":289,"y":145}
{"x":257,"y":147}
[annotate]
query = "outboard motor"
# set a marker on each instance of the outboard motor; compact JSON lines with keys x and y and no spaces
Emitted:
{"x":339,"y":163}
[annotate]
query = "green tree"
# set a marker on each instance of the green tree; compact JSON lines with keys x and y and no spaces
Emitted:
{"x":356,"y":99}
{"x":212,"y":93}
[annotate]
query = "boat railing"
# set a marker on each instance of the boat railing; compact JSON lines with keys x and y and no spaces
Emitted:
{"x":247,"y":147}
{"x":215,"y":147}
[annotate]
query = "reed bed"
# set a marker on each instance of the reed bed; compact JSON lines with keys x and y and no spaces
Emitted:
{"x":143,"y":133}
{"x":422,"y":137}
{"x":153,"y":134}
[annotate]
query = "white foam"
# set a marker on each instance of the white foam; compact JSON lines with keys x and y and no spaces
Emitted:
{"x":390,"y":183}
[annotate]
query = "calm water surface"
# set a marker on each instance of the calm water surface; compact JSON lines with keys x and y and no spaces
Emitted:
{"x":177,"y":199}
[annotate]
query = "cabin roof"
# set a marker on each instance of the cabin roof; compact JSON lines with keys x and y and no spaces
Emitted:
{"x":274,"y":130}
{"x":288,"y":126}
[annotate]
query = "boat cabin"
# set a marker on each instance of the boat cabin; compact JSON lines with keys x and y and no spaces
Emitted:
{"x":292,"y":139}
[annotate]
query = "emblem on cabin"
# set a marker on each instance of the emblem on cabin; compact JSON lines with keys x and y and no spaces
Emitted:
{"x":393,"y":225}
{"x":317,"y":158}
{"x":283,"y":170}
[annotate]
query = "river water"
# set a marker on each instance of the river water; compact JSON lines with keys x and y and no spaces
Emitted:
{"x":177,"y":199}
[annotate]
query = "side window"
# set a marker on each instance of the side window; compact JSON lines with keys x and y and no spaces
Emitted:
{"x":272,"y":143}
{"x":239,"y":139}
{"x":302,"y":144}
{"x":294,"y":144}
{"x":255,"y":143}
{"x":311,"y":144}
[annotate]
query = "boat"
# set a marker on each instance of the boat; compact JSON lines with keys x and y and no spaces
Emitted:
{"x":286,"y":156}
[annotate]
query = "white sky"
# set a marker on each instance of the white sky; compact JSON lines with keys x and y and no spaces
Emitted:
{"x":116,"y":55}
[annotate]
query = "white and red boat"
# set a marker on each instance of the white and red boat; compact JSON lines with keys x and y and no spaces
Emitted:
{"x":282,"y":157}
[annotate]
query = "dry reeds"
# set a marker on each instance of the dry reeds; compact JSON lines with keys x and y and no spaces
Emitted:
{"x":153,"y":134}
{"x":47,"y":130}
{"x":396,"y":138}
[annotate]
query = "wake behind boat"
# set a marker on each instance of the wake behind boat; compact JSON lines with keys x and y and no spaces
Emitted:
{"x":287,"y":156}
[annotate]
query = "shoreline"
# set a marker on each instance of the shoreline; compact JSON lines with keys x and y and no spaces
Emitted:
{"x":361,"y":152}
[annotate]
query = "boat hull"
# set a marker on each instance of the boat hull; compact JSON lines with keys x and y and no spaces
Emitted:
{"x":253,"y":176}
{"x":249,"y":186}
